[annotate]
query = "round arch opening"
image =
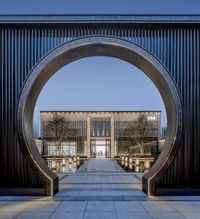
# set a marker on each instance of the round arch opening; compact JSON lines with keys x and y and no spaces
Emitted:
{"x":99,"y":46}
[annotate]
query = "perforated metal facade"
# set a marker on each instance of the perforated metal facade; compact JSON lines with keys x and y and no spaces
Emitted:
{"x":85,"y":129}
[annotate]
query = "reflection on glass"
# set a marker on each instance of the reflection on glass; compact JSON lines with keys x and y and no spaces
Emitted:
{"x":100,"y":127}
{"x":100,"y":148}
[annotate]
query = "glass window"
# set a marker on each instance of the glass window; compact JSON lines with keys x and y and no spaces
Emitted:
{"x":100,"y":127}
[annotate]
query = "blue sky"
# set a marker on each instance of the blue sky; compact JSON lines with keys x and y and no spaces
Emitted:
{"x":99,"y":6}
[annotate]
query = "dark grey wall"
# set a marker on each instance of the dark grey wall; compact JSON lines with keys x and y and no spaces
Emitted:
{"x":177,"y":46}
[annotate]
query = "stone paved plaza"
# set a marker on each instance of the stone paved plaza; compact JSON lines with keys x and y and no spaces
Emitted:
{"x":99,"y":189}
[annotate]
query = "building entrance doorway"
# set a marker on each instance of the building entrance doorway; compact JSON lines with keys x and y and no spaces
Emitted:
{"x":100,"y":151}
{"x":100,"y":148}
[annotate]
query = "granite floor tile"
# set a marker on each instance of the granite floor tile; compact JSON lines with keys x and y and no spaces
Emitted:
{"x":67,"y":215}
{"x":16,"y":206}
{"x":128,"y":206}
{"x":89,"y":193}
{"x":166,"y":215}
{"x":97,"y":206}
{"x":111,"y":193}
{"x":45,"y":206}
{"x":100,"y":215}
{"x":152,"y":206}
{"x":35,"y":215}
{"x":191,"y":215}
{"x":185,"y":206}
{"x":67,"y":193}
{"x":133,"y":215}
{"x":71,"y":206}
{"x":9,"y":214}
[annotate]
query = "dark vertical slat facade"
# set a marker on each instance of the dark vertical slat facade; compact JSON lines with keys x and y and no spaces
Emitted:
{"x":177,"y":46}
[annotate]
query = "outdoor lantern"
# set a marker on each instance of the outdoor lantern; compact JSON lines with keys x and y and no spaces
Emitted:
{"x":53,"y":165}
{"x":147,"y":164}
{"x":137,"y":168}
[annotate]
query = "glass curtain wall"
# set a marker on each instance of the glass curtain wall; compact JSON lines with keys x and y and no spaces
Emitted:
{"x":100,"y":133}
{"x":100,"y":148}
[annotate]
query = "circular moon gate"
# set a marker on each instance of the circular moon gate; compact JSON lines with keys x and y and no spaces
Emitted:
{"x":99,"y":46}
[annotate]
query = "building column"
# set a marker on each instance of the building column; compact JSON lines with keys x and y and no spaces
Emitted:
{"x":88,"y":136}
{"x":112,"y":136}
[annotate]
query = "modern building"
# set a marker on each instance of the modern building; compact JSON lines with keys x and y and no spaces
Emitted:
{"x":101,"y":133}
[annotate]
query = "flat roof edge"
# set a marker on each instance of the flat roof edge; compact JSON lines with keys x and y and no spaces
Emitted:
{"x":99,"y":111}
{"x":99,"y":18}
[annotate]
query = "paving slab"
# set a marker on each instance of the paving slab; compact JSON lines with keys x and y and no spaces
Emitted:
{"x":100,"y":215}
{"x":105,"y":181}
{"x":133,"y":215}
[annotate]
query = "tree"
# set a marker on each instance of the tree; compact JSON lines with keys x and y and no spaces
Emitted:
{"x":143,"y":128}
{"x":57,"y":128}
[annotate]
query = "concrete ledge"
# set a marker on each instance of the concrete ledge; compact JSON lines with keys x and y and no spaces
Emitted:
{"x":178,"y":191}
{"x":21,"y":191}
